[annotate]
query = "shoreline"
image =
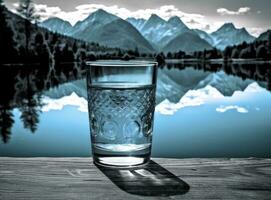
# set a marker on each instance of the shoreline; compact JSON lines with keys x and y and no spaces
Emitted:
{"x":219,"y":61}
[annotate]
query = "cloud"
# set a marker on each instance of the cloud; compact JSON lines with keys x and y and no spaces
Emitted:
{"x":239,"y":109}
{"x":58,"y":104}
{"x":193,"y":20}
{"x":225,"y":11}
{"x":209,"y":94}
{"x":190,"y":99}
{"x":255,"y":31}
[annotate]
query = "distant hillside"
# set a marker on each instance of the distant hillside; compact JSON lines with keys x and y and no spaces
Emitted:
{"x":158,"y":31}
{"x":187,"y":42}
{"x":125,"y":36}
{"x":264,"y":36}
{"x":110,"y":30}
{"x":58,"y":25}
{"x":205,"y":36}
{"x":137,"y":23}
{"x":228,"y":35}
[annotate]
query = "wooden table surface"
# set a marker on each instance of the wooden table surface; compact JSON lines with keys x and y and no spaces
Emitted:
{"x":79,"y":178}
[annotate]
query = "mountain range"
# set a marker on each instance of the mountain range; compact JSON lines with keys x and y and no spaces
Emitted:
{"x":105,"y":29}
{"x":152,"y":35}
{"x":228,"y":35}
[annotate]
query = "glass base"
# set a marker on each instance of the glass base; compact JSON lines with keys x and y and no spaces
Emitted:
{"x":120,"y":161}
{"x":121,"y":156}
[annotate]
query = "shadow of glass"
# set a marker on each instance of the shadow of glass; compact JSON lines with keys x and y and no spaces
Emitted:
{"x":149,"y":180}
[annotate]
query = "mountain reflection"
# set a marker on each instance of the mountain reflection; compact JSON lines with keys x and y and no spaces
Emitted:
{"x":22,"y":87}
{"x":260,"y":72}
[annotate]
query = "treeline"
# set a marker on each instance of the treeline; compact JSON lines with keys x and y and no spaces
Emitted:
{"x":23,"y":41}
{"x":259,"y":49}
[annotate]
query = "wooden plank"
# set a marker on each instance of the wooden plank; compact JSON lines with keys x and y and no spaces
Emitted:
{"x":79,"y":178}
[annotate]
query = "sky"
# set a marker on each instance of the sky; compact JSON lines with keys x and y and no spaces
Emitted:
{"x":207,"y":15}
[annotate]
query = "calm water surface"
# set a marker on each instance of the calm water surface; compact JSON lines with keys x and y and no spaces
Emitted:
{"x":201,"y":111}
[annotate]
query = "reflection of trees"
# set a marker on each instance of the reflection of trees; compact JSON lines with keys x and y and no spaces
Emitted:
{"x":260,"y":72}
{"x":30,"y":109}
{"x":269,"y":79}
{"x":30,"y":103}
{"x":6,"y":122}
{"x":22,"y":88}
{"x":7,"y":93}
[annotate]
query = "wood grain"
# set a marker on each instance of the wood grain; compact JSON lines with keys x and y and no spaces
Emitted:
{"x":79,"y":178}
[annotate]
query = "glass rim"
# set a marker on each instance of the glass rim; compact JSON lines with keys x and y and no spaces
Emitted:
{"x":122,"y":63}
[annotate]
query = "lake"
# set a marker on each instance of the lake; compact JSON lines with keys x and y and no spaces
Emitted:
{"x":202,"y":110}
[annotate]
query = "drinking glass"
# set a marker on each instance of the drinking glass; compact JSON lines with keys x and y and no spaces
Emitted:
{"x":121,"y":103}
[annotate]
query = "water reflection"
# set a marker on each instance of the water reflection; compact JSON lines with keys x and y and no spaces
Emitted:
{"x":23,"y":87}
{"x":258,"y":71}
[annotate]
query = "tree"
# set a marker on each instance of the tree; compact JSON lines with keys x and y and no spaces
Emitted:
{"x":91,"y":57}
{"x":6,"y":37}
{"x":120,"y":53}
{"x":214,"y":53}
{"x":204,"y":54}
{"x":136,"y":52}
{"x":245,"y":53}
{"x":41,"y":50}
{"x":235,"y":53}
{"x":248,"y":52}
{"x":31,"y":103}
{"x":6,"y":123}
{"x":74,"y":48}
{"x":243,"y":45}
{"x":252,"y":51}
{"x":199,"y":55}
{"x":67,"y":54}
{"x":169,"y":55}
{"x":39,"y":39}
{"x":57,"y":55}
{"x":30,"y":112}
{"x":261,"y":52}
{"x":160,"y":58}
{"x":46,"y":36}
{"x":227,"y":53}
{"x":26,"y":10}
{"x":269,"y":44}
{"x":180,"y":55}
